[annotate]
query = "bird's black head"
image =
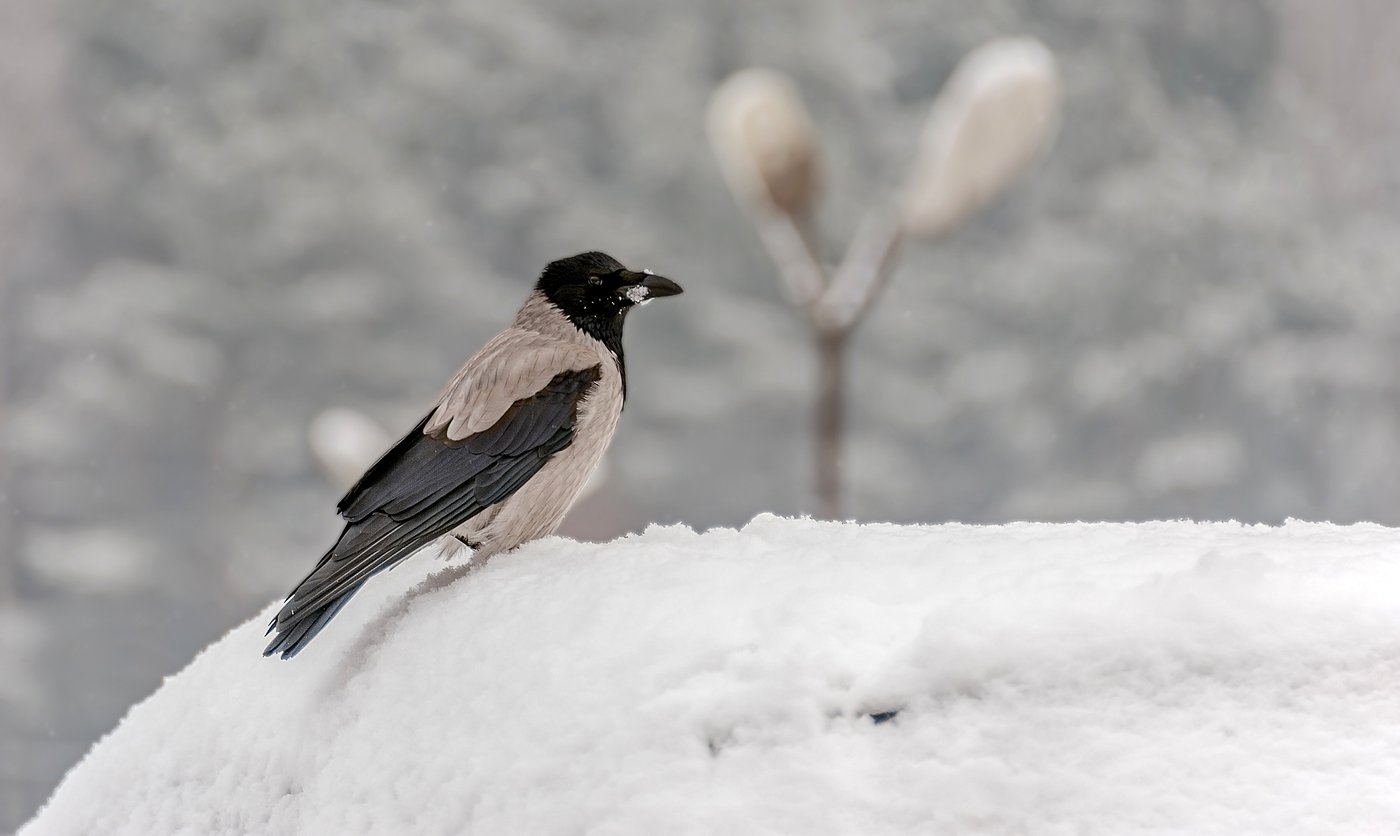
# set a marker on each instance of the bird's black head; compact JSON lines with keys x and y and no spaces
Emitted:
{"x":595,"y":292}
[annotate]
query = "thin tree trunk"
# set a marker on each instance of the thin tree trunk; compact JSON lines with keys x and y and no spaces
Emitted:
{"x":831,"y":419}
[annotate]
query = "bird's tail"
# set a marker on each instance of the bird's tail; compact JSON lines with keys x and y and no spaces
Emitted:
{"x":296,"y":629}
{"x":363,"y":550}
{"x":318,"y":597}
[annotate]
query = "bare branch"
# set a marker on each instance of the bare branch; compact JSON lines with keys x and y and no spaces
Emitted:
{"x":804,"y":277}
{"x":869,"y":260}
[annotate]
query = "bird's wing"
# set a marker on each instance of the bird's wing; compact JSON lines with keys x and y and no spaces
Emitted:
{"x":510,"y":374}
{"x":430,"y":482}
{"x":512,"y":366}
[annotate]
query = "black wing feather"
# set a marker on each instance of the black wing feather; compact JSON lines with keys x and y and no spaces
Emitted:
{"x":421,"y":469}
{"x":421,"y":489}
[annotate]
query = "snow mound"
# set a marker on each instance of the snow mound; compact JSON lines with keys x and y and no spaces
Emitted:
{"x":1167,"y":677}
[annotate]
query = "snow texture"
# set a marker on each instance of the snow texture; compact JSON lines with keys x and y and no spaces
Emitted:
{"x":1150,"y":678}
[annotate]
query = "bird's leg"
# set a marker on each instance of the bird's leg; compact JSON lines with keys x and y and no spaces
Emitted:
{"x":454,"y":545}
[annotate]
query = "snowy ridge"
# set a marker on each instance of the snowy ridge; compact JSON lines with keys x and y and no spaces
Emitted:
{"x":1165,"y":677}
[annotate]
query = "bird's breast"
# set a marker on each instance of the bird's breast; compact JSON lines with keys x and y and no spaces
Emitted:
{"x":541,"y":503}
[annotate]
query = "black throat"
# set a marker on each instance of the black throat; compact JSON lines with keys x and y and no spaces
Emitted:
{"x":606,"y":328}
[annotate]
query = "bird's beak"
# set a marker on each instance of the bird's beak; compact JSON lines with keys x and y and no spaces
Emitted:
{"x":654,"y":286}
{"x":660,"y":286}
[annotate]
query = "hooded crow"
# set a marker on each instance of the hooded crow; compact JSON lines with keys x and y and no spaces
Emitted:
{"x":504,"y":450}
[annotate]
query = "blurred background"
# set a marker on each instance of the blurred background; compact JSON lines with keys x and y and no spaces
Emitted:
{"x":219,"y":219}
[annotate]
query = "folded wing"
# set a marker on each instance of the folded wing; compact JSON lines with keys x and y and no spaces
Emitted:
{"x":432,"y":481}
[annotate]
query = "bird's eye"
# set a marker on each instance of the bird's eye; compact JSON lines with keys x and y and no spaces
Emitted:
{"x":595,"y":280}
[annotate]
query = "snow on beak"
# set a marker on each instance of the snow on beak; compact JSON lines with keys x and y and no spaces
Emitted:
{"x":646,"y":285}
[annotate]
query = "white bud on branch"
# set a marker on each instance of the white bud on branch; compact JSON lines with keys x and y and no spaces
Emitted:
{"x":344,"y":443}
{"x":765,"y":142}
{"x":993,"y":118}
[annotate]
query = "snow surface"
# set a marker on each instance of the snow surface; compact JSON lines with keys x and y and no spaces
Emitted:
{"x":1165,"y":677}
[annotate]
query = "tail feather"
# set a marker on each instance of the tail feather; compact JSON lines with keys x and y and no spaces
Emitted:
{"x":298,"y":629}
{"x":300,"y":620}
{"x":364,"y":549}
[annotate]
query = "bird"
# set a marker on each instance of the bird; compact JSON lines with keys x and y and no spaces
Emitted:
{"x":504,"y":450}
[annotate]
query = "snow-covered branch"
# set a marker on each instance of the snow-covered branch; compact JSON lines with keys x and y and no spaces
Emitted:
{"x":993,"y":119}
